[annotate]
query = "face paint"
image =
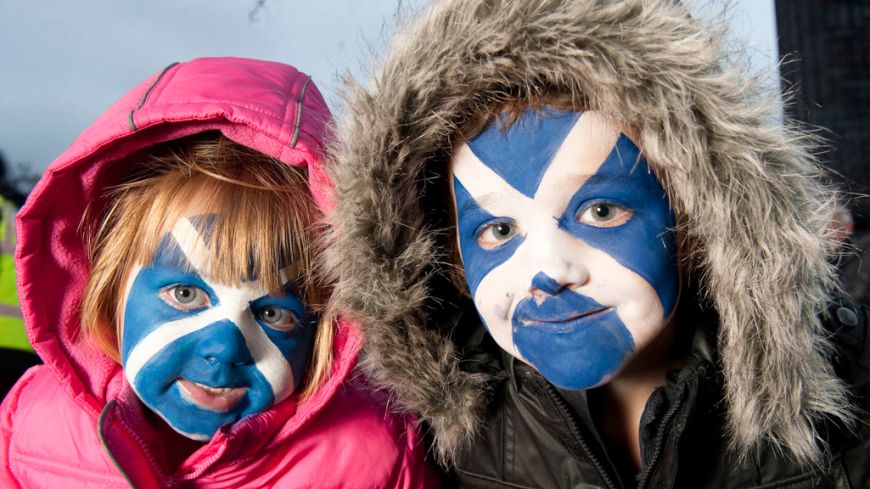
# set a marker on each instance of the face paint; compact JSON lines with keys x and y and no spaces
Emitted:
{"x":203,"y":354}
{"x":569,"y":252}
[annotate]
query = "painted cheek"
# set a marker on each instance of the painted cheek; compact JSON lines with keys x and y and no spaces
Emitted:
{"x":645,"y":244}
{"x":574,"y":341}
{"x":294,"y":345}
{"x":497,"y":294}
{"x":477,"y":262}
{"x":145,"y":311}
{"x":202,"y":357}
{"x":295,"y":349}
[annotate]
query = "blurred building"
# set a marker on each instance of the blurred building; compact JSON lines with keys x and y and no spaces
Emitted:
{"x":828,"y":45}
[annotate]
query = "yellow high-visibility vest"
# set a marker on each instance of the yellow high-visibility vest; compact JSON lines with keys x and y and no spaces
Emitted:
{"x":12,"y":334}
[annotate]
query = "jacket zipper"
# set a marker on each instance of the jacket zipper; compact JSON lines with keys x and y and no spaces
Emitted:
{"x":102,"y":437}
{"x":572,"y":425}
{"x":660,"y":432}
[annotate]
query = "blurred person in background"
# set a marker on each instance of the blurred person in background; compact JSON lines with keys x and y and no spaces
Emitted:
{"x":16,"y":354}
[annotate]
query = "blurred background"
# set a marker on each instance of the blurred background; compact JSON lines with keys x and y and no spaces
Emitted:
{"x":66,"y":62}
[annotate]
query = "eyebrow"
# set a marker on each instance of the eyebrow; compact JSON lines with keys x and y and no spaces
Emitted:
{"x":476,"y":203}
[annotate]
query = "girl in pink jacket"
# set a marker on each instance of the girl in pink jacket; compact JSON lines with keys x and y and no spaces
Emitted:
{"x":166,"y":276}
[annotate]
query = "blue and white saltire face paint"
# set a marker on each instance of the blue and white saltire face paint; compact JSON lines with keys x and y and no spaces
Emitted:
{"x":203,"y":354}
{"x":567,"y":241}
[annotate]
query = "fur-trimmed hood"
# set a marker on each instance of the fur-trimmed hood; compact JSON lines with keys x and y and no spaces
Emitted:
{"x":747,"y":193}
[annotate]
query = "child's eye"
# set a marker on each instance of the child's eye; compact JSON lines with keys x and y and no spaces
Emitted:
{"x":604,"y":215}
{"x":185,"y":297}
{"x":278,"y":317}
{"x":496,"y":234}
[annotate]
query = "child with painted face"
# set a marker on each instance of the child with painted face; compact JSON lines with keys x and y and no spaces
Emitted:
{"x":643,"y":246}
{"x":176,"y":304}
{"x":213,"y":324}
{"x":566,"y":238}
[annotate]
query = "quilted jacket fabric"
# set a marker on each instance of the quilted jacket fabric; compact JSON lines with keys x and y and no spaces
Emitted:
{"x":74,"y":422}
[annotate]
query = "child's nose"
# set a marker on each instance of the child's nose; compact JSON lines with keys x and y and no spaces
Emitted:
{"x":561,"y":267}
{"x":544,"y":283}
{"x":225,"y":345}
{"x":549,"y":283}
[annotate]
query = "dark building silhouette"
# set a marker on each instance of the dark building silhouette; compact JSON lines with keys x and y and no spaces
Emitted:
{"x":828,"y":43}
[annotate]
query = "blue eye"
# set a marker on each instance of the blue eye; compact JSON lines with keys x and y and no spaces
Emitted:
{"x":603,"y":214}
{"x":185,"y":297}
{"x":495,"y":234}
{"x":278,"y":317}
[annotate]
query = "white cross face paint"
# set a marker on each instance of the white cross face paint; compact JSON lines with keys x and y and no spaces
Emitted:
{"x":203,"y":354}
{"x":567,"y":243}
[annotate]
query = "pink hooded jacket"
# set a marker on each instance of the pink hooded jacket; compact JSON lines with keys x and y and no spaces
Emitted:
{"x":74,"y":422}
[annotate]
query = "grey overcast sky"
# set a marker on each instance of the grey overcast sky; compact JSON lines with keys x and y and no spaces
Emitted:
{"x":64,"y":62}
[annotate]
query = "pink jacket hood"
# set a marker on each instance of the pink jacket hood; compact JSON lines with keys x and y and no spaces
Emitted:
{"x":270,"y":107}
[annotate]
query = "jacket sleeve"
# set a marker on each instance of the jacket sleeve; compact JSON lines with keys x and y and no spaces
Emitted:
{"x":7,"y":420}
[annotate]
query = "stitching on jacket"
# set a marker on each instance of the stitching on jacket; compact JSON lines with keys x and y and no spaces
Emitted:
{"x":233,"y":103}
{"x":60,"y":468}
{"x":14,"y":394}
{"x":299,"y":112}
{"x":790,"y":482}
{"x":487,"y":478}
{"x":13,"y":397}
{"x":130,"y":121}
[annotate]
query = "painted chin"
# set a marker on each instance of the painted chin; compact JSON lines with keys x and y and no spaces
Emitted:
{"x":221,"y":400}
{"x":574,"y":349}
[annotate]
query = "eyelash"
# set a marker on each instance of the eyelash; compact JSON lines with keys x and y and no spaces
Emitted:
{"x":290,"y":318}
{"x":621,"y":215}
{"x":169,"y":296}
{"x":480,"y":236}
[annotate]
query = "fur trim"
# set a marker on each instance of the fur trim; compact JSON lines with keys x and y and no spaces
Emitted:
{"x":747,"y":192}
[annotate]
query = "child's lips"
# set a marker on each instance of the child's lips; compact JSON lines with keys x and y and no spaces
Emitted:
{"x":218,"y":399}
{"x":564,"y":320}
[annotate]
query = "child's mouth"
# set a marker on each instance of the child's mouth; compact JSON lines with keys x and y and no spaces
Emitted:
{"x":218,"y":399}
{"x":565,"y":319}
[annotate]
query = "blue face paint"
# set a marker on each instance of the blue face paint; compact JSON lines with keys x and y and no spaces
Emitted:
{"x":472,"y":219}
{"x":194,"y":366}
{"x":645,"y":244}
{"x":290,"y":344}
{"x":574,"y":340}
{"x":522,"y":154}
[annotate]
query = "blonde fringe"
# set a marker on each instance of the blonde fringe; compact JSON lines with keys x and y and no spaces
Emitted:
{"x":267,"y":217}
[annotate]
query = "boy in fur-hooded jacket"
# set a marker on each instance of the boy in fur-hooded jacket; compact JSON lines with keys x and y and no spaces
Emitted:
{"x":588,"y":254}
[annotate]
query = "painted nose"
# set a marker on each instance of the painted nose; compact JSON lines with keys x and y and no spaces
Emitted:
{"x":544,"y":283}
{"x":223,"y":343}
{"x":561,"y":267}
